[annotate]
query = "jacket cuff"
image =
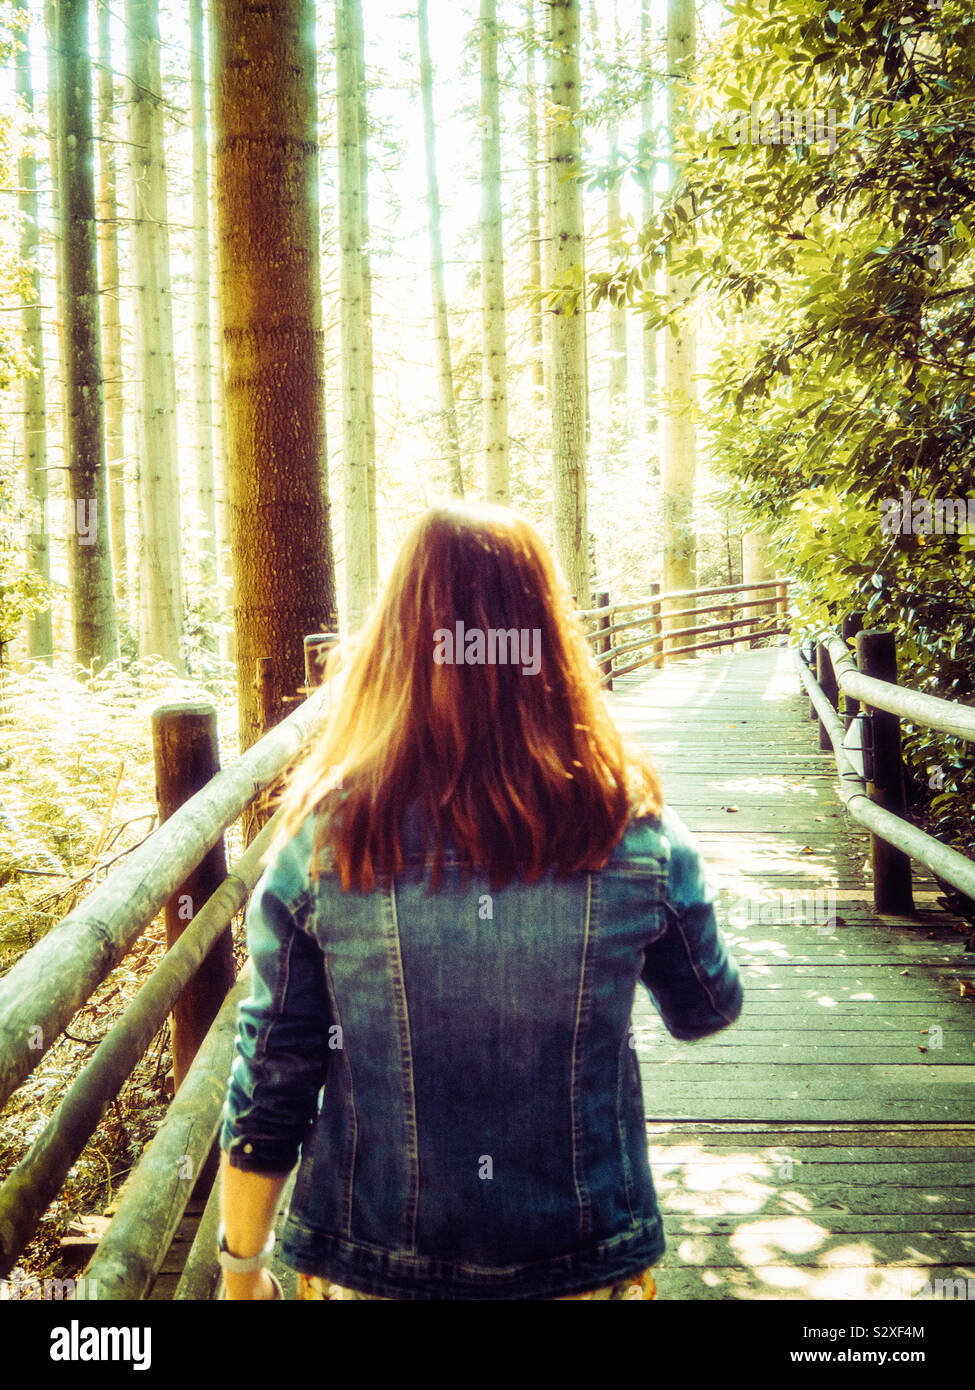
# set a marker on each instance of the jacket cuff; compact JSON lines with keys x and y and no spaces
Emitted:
{"x":258,"y":1155}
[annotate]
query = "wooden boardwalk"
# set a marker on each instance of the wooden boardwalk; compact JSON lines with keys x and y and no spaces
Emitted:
{"x":824,"y":1146}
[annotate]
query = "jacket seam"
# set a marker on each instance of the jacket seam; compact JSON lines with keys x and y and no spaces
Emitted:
{"x":582,"y":1195}
{"x":624,"y":1150}
{"x":406,"y":1055}
{"x":697,"y":974}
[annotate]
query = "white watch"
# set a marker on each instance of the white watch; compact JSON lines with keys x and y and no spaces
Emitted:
{"x":238,"y":1264}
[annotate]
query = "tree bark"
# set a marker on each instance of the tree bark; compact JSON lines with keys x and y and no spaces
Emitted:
{"x":89,"y":556}
{"x":495,"y":371}
{"x":40,"y":637}
{"x":679,"y":451}
{"x":266,"y":166}
{"x":161,"y":587}
{"x":441,"y":322}
{"x":568,"y":321}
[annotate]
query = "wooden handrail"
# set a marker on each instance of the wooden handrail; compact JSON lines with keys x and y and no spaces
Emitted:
{"x":940,"y":858}
{"x":686,"y":593}
{"x":41,"y":993}
{"x":931,"y":711}
{"x":604,"y":628}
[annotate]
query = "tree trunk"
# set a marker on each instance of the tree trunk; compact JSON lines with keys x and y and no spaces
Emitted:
{"x":359,"y":41}
{"x":225,"y":581}
{"x":617,"y":313}
{"x":159,"y":502}
{"x":58,"y":479}
{"x":568,"y":321}
{"x":266,"y":164}
{"x":89,"y":556}
{"x":648,"y":143}
{"x":441,"y":322}
{"x":40,"y":638}
{"x":358,"y":567}
{"x":534,"y":205}
{"x":495,"y":370}
{"x":202,"y":366}
{"x":111,"y":325}
{"x":679,"y":451}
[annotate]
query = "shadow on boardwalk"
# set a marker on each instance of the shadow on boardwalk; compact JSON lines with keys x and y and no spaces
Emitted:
{"x":824,"y":1146}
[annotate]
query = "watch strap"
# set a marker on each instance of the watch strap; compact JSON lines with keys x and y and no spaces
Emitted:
{"x":243,"y":1264}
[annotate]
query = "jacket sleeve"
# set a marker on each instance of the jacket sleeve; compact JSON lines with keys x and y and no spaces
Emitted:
{"x":691,"y":976}
{"x":282,"y":1051}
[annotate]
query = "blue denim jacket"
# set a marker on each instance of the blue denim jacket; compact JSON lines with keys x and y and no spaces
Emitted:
{"x":459,"y":1070}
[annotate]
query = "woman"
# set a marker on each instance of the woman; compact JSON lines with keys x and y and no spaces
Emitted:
{"x":472,"y":876}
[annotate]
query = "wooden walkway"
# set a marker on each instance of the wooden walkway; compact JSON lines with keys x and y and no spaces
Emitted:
{"x":824,"y":1146}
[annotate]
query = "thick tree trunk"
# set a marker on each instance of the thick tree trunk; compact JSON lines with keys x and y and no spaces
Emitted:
{"x":441,"y":322}
{"x":40,"y":638}
{"x":159,"y":502}
{"x":202,"y":366}
{"x":111,"y":324}
{"x":266,"y":168}
{"x":355,"y":444}
{"x":679,"y":451}
{"x":495,"y":371}
{"x":568,"y":321}
{"x":89,"y":555}
{"x":534,"y":205}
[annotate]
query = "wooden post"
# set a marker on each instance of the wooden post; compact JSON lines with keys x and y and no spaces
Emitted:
{"x":781,"y":601}
{"x":184,"y":745}
{"x":656,"y":625}
{"x":877,"y":657}
{"x":605,"y":644}
{"x":852,"y":624}
{"x":317,"y":647}
{"x":827,"y":679}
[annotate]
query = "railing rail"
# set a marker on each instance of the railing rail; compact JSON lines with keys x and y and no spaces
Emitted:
{"x":662,"y":641}
{"x":873,"y":793}
{"x":41,"y":994}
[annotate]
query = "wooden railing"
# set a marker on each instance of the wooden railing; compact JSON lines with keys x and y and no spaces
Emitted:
{"x":866,"y":742}
{"x":662,"y":635}
{"x":40,"y":995}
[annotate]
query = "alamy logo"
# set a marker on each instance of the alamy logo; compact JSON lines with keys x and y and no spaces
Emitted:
{"x":761,"y":126}
{"x":498,"y":646}
{"x":908,"y":515}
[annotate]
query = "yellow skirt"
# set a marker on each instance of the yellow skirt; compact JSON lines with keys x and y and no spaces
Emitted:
{"x":639,"y":1286}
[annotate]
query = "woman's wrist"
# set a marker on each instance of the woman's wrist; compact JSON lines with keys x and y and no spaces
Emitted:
{"x":258,"y":1287}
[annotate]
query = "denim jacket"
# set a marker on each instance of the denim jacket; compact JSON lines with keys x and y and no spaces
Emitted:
{"x":458,"y":1070}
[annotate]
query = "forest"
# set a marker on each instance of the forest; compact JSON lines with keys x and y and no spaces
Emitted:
{"x":689,"y":285}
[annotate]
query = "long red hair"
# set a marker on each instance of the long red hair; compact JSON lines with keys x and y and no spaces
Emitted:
{"x":524,"y":772}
